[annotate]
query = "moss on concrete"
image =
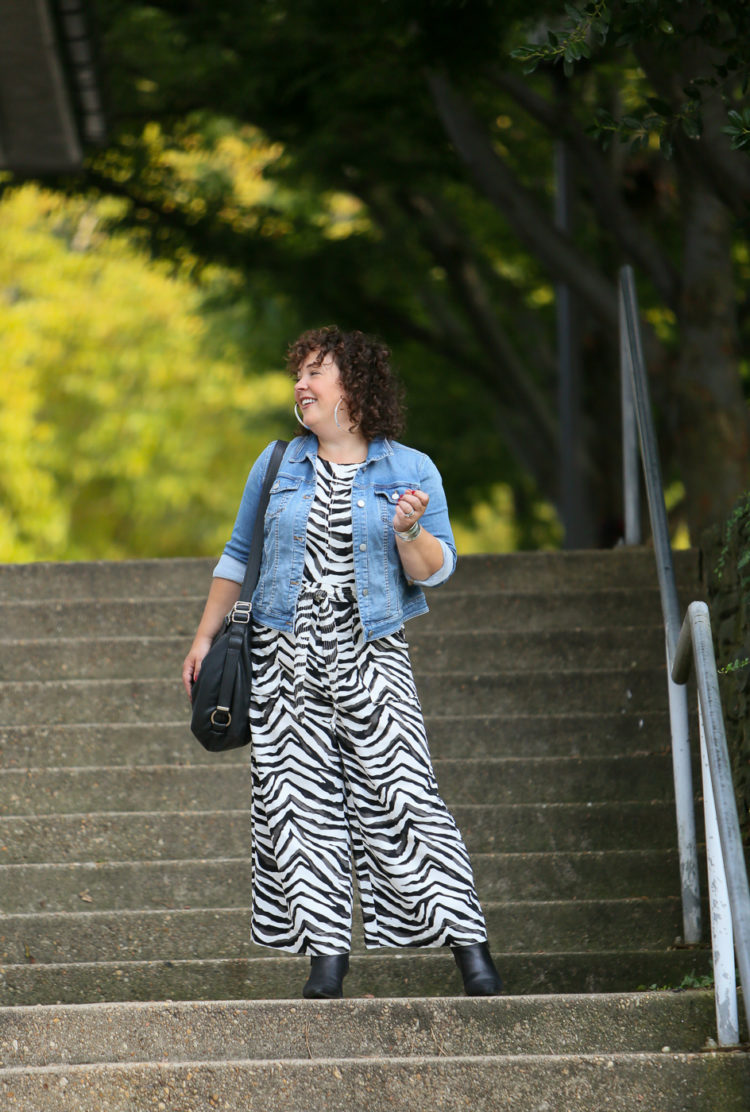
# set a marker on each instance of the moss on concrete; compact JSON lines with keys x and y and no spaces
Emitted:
{"x":726,"y":552}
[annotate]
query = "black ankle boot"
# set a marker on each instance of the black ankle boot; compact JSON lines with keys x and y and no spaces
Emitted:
{"x":478,"y":970}
{"x":326,"y":974}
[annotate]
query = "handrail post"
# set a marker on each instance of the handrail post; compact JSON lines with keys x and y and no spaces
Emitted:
{"x":687,"y":842}
{"x":729,"y":890}
{"x":630,"y":466}
{"x":650,"y":459}
{"x":696,"y":632}
{"x":722,"y":936}
{"x":634,"y":368}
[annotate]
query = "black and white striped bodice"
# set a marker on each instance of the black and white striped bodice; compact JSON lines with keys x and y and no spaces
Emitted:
{"x":329,"y":557}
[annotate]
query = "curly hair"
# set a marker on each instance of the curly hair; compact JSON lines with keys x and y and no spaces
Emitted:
{"x":373,"y":394}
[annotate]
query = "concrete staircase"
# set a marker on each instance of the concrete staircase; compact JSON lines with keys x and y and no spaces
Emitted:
{"x":128,"y":978}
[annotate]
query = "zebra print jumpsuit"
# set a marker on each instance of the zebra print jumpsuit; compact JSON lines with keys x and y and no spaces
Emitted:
{"x":341,"y":768}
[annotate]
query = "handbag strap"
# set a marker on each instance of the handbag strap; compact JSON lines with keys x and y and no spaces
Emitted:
{"x":256,"y":545}
{"x":239,"y":616}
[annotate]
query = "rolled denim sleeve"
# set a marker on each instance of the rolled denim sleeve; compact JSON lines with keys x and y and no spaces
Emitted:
{"x":436,"y":520}
{"x":234,"y":558}
{"x":445,"y":571}
{"x":229,"y":568}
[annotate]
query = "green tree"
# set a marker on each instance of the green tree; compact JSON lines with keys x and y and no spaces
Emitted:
{"x":416,"y":111}
{"x":113,"y":374}
{"x":686,"y":123}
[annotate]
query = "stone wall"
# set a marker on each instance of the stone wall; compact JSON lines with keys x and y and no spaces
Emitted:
{"x":726,"y":563}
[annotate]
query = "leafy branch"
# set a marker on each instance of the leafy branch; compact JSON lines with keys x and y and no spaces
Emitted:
{"x":734,"y":666}
{"x":739,"y":129}
{"x":571,"y":42}
{"x":734,"y":524}
{"x":655,"y":118}
{"x":651,"y":27}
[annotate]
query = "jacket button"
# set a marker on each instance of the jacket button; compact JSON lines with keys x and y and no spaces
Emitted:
{"x":395,"y":496}
{"x":361,"y":502}
{"x":364,"y":590}
{"x":363,"y":548}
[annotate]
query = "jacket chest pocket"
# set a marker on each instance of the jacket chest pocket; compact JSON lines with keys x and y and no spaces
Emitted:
{"x":281,"y":492}
{"x":388,"y":494}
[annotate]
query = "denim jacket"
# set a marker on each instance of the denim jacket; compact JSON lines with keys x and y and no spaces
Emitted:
{"x":386,"y":598}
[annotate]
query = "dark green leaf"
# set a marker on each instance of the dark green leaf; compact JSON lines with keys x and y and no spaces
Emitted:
{"x":659,"y":106}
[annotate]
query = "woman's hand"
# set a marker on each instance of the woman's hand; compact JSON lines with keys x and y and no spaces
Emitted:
{"x":192,"y":664}
{"x":411,"y":505}
{"x":420,"y":556}
{"x":221,"y":598}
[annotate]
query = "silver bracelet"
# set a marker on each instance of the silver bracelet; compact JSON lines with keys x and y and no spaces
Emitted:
{"x":410,"y":534}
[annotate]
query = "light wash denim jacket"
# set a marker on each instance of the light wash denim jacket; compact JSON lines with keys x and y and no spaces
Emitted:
{"x":386,"y":598}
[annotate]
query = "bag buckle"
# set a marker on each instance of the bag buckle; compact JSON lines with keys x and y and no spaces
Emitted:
{"x":241,"y":612}
{"x":221,"y":725}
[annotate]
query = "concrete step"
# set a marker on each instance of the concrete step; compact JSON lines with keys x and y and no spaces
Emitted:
{"x":191,"y":577}
{"x":451,"y":736}
{"x":125,"y":616}
{"x":515,"y":611}
{"x":350,"y":1029}
{"x":628,"y":1081}
{"x":380,"y":973}
{"x":571,"y":570}
{"x":354,"y":1029}
{"x":227,"y":786}
{"x":636,"y":691}
{"x":161,"y":657}
{"x":554,"y":766}
{"x":225,"y":882}
{"x":205,"y":933}
{"x":564,"y":650}
{"x":169,"y":616}
{"x":498,"y":877}
{"x":89,"y":579}
{"x":165,"y":835}
{"x":196,"y":933}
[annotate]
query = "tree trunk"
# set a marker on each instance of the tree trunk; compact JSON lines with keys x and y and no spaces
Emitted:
{"x":710,"y":417}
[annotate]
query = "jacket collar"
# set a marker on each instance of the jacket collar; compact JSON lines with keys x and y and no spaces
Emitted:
{"x":306,"y":447}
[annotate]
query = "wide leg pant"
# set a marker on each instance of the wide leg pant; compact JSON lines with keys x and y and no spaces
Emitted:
{"x":340,"y":770}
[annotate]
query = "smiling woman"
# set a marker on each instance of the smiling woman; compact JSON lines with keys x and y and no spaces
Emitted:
{"x":362,"y":367}
{"x":356,"y":526}
{"x":319,"y":393}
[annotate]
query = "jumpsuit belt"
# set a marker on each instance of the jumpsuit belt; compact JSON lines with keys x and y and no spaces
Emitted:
{"x":315,"y":612}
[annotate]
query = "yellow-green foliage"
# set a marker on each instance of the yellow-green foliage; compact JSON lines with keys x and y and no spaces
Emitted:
{"x":128,"y":418}
{"x":129,"y":415}
{"x":493,"y":526}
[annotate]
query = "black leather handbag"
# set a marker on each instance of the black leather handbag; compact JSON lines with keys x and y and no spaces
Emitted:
{"x":221,"y":694}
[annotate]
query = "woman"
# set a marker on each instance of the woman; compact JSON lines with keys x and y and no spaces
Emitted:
{"x":356,"y":525}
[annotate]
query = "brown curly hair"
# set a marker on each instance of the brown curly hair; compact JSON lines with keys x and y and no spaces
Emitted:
{"x":373,"y":394}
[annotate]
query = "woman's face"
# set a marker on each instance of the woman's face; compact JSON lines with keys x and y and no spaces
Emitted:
{"x":318,"y":390}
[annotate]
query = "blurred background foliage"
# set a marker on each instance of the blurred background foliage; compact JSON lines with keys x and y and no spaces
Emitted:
{"x":289,"y":163}
{"x":127,"y":421}
{"x":138,"y":390}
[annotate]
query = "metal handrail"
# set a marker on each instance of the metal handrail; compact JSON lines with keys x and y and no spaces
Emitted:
{"x":637,"y":411}
{"x":729,"y":894}
{"x":728,"y":884}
